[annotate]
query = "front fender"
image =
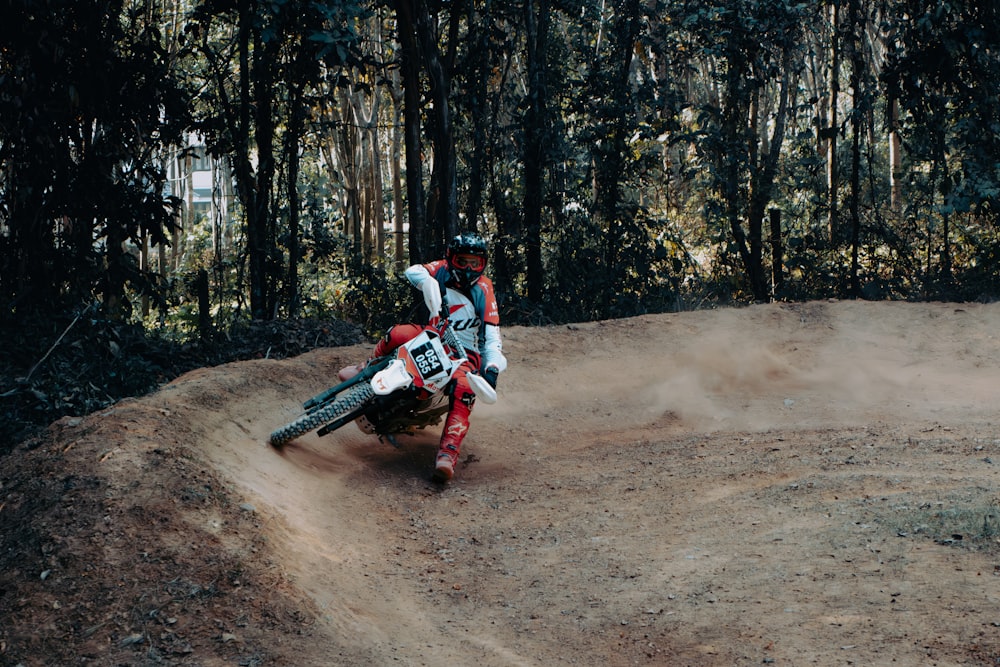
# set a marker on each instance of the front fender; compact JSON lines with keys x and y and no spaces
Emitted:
{"x":392,"y":377}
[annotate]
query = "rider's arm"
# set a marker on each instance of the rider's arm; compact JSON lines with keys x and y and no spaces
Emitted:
{"x":423,"y":277}
{"x":417,"y":274}
{"x":491,"y":346}
{"x":492,"y":349}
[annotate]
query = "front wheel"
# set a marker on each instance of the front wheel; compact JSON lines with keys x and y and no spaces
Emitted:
{"x":345,"y":407}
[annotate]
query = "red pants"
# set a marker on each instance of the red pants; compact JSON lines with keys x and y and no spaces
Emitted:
{"x":461,"y":399}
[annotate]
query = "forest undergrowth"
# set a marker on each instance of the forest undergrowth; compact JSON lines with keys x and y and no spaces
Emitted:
{"x":52,"y":369}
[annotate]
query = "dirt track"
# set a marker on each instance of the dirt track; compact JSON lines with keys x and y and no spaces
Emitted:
{"x":804,"y":484}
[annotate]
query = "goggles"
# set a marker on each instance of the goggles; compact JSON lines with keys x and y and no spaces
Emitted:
{"x":467,"y":261}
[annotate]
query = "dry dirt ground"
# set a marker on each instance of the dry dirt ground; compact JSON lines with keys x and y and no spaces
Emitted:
{"x":785,"y":484}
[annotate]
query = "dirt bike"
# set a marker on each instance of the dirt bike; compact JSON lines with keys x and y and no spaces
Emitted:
{"x":397,"y":394}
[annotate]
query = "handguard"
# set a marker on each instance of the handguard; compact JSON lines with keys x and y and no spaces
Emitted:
{"x":484,"y":392}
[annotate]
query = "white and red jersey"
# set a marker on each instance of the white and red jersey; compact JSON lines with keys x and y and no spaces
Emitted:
{"x":474,"y":314}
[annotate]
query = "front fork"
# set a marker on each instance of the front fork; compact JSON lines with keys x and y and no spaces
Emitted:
{"x":366,"y":374}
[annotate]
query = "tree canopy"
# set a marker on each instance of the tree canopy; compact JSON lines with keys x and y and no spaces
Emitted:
{"x":620,"y":157}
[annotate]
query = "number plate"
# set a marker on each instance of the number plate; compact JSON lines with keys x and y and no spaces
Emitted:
{"x":427,"y":360}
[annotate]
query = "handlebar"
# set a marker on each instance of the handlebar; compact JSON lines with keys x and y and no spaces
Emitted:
{"x":447,"y":333}
{"x":451,"y":340}
{"x":478,"y":383}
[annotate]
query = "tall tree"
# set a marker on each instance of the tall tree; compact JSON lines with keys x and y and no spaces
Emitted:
{"x":410,"y":67}
{"x":831,"y":131}
{"x":489,"y":93}
{"x":856,"y":31}
{"x":423,"y":62}
{"x":536,"y":141}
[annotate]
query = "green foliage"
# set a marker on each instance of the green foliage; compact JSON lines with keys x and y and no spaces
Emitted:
{"x":628,"y":141}
{"x":946,"y":76}
{"x":88,"y":103}
{"x":78,"y":364}
{"x":649,"y":272}
{"x":72,"y":365}
{"x":256,"y":83}
{"x":375,"y":298}
{"x":978,"y":258}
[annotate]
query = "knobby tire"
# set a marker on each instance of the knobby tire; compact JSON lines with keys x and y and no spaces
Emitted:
{"x":342,"y":408}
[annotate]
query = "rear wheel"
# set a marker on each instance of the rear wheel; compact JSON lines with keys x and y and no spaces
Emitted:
{"x":345,"y":407}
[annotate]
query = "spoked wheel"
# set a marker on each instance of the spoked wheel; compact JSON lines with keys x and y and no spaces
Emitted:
{"x":344,"y":408}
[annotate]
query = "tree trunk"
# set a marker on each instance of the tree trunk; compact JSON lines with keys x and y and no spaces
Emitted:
{"x":476,"y":109}
{"x":832,"y":178}
{"x":857,"y":94}
{"x":268,"y":271}
{"x":613,"y":153}
{"x":736,"y":115}
{"x":295,"y":131}
{"x":537,"y":22}
{"x":204,"y":305}
{"x":762,"y":182}
{"x":144,"y":268}
{"x":187,"y":223}
{"x":399,"y":254}
{"x":378,"y":210}
{"x":239,"y":130}
{"x":410,"y":67}
{"x":370,"y":181}
{"x":895,"y":159}
{"x":215,"y":215}
{"x":945,"y":177}
{"x":444,"y":179}
{"x":777,"y":254}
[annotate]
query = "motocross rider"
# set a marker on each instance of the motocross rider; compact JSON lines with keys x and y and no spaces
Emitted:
{"x":475,"y":320}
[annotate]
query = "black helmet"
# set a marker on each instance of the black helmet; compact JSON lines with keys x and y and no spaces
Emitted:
{"x":466,"y":257}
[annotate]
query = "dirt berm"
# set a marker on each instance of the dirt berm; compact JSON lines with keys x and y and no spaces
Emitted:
{"x":785,"y":484}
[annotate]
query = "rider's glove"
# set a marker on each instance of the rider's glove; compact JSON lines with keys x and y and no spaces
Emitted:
{"x":432,"y":295}
{"x":490,"y":375}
